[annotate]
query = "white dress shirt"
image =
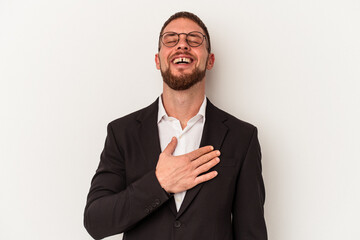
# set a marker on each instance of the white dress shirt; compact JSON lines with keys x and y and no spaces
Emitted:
{"x":188,"y":139}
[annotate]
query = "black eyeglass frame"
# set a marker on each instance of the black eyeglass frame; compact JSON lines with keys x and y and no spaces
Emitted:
{"x":186,"y":38}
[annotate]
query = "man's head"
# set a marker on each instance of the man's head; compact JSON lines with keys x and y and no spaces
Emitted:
{"x":192,"y":17}
{"x":184,"y":51}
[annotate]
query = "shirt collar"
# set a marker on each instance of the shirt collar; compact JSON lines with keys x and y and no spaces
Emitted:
{"x":162,"y":112}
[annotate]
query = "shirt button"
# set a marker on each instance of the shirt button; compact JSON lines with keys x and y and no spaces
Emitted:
{"x":177,"y":224}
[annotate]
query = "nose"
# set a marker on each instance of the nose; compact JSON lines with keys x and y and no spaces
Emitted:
{"x":182,"y":44}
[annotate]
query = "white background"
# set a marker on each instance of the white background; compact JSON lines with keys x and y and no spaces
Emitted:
{"x":292,"y":68}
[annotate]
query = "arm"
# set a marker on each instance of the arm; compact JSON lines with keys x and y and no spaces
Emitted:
{"x":248,"y":209}
{"x":112,"y":205}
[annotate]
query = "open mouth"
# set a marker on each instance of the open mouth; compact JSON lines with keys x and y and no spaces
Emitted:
{"x":182,"y":60}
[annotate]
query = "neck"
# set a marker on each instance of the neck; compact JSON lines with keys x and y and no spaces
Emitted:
{"x":184,"y":104}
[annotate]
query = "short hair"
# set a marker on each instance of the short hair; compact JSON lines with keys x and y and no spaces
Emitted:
{"x":190,"y":16}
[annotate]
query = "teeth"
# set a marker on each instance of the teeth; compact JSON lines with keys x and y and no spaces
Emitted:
{"x":182,"y":60}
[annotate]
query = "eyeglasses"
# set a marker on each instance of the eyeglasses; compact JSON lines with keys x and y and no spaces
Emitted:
{"x":194,"y":39}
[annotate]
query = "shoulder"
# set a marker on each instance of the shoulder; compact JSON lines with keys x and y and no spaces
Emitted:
{"x":232,"y":122}
{"x":239,"y":133}
{"x":134,"y":119}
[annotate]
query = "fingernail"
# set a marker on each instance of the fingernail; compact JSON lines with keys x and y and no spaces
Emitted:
{"x":218,"y":152}
{"x":212,"y":148}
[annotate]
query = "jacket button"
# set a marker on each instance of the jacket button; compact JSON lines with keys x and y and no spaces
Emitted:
{"x":177,"y":224}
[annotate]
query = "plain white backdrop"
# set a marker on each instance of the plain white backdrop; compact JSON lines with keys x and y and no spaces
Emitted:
{"x":290,"y":67}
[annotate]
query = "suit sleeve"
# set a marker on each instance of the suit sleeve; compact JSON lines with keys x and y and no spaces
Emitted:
{"x":114,"y":206}
{"x":248,"y":209}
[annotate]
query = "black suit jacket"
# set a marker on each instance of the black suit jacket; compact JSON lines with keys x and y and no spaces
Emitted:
{"x":125,"y":195}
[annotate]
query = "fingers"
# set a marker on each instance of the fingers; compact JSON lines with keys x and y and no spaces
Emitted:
{"x":205,"y":177}
{"x":170,"y":148}
{"x":205,"y":158}
{"x":207,"y":166}
{"x":199,"y":152}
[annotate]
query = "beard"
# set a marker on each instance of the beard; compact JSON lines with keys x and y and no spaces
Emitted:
{"x":184,"y":81}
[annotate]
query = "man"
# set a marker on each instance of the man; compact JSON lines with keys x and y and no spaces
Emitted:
{"x":161,"y":175}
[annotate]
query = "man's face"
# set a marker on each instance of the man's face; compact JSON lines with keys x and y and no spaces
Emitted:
{"x":181,"y":76}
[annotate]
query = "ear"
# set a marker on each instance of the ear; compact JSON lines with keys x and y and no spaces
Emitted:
{"x":211,"y":61}
{"x":157,"y":61}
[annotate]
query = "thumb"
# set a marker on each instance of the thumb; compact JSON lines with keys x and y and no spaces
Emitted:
{"x":170,"y":148}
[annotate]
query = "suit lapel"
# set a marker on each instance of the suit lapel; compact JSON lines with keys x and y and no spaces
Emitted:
{"x":150,"y":142}
{"x":149,"y":135}
{"x":213,"y":134}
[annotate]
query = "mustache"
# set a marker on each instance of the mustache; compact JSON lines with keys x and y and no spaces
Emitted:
{"x":181,"y":53}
